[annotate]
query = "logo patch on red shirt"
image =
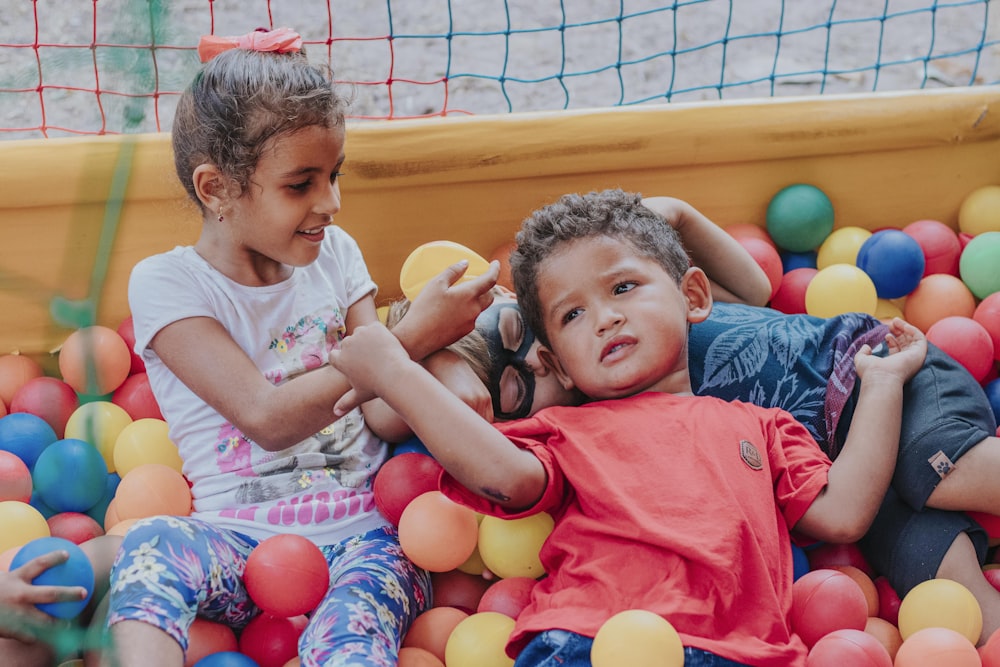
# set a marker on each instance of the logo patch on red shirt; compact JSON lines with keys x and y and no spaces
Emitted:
{"x":750,"y":455}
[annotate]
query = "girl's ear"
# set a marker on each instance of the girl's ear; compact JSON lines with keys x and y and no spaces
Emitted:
{"x":551,"y":362}
{"x":210,"y":186}
{"x":697,"y":289}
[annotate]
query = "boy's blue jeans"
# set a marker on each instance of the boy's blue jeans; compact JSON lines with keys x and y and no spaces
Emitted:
{"x":561,"y":648}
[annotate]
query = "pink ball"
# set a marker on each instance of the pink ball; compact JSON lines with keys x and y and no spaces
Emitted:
{"x":791,"y":295}
{"x":851,"y":647}
{"x":508,"y":596}
{"x":937,"y":647}
{"x":987,"y":313}
{"x":287,"y":575}
{"x":272,"y":641}
{"x":15,"y":478}
{"x":74,"y":526}
{"x":940,"y":244}
{"x":824,"y":601}
{"x":49,"y":398}
{"x":767,"y":258}
{"x":135,"y":397}
{"x":966,"y":341}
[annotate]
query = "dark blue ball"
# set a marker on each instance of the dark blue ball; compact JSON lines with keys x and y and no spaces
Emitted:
{"x":993,"y":394}
{"x":894,"y":261}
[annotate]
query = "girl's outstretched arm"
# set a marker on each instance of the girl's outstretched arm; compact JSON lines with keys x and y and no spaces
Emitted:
{"x":735,"y":274}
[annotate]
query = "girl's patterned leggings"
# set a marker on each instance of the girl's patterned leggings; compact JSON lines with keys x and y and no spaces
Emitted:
{"x":170,"y":569}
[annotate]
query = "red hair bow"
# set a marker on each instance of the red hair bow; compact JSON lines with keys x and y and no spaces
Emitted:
{"x":281,"y":40}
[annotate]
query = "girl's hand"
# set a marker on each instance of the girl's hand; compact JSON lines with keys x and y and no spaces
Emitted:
{"x":907,"y":350}
{"x":366,"y":358}
{"x":18,"y":597}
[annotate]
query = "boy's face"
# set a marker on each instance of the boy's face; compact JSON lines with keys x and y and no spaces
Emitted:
{"x":616,"y":319}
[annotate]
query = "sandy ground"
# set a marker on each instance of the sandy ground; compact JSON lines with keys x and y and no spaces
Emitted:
{"x":500,"y":57}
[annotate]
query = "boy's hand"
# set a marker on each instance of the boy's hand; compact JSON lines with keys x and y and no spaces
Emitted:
{"x":367,"y":358}
{"x":22,"y":620}
{"x":907,"y":350}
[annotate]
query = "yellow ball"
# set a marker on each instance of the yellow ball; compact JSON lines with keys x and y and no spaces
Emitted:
{"x":841,"y":246}
{"x":480,"y":640}
{"x":509,"y":547}
{"x":145,"y":440}
{"x":99,"y":423}
{"x":21,"y":524}
{"x":885,"y":310}
{"x":980,"y":211}
{"x":840,"y":288}
{"x":637,"y":638}
{"x":430,"y":259}
{"x":941,"y":603}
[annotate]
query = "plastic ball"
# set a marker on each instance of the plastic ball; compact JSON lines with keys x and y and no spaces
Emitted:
{"x":15,"y":371}
{"x":458,"y":589}
{"x":437,"y":533}
{"x":401,"y":479}
{"x":99,"y":423}
{"x":135,"y":396}
{"x":800,"y":562}
{"x":799,"y":217}
{"x":145,"y":441}
{"x":99,"y":511}
{"x":791,"y":295}
{"x":150,"y":489}
{"x":824,"y":601}
{"x":887,"y":310}
{"x":966,"y":341}
{"x":864,"y":582}
{"x":888,"y":601}
{"x":430,"y":259}
{"x":979,"y":265}
{"x":127,"y":331}
{"x":939,"y":243}
{"x":838,"y":289}
{"x":15,"y":478}
{"x":637,"y":638}
{"x":49,"y":398}
{"x":936,"y":647}
{"x":797,"y":260}
{"x":510,"y":547}
{"x":894,"y":261}
{"x":886,"y":633}
{"x":271,"y":641}
{"x":94,"y":360}
{"x":226,"y":659}
{"x":848,"y":647}
{"x":25,"y":435}
{"x":841,"y":246}
{"x":993,"y":395}
{"x":287,"y":575}
{"x":207,"y":637}
{"x":938,"y":296}
{"x":748,"y":230}
{"x":410,"y":446}
{"x":501,"y":254}
{"x":474,"y":564}
{"x":989,"y":652}
{"x":69,"y":475}
{"x":508,"y":596}
{"x":76,"y":571}
{"x":480,"y":641}
{"x":987,"y":313}
{"x":431,"y":629}
{"x":941,"y":603}
{"x":767,"y":258}
{"x":980,"y":211}
{"x":411,"y":656}
{"x":74,"y":526}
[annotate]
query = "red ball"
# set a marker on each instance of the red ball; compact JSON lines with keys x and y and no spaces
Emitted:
{"x":74,"y":526}
{"x":135,"y":397}
{"x":745,"y":230}
{"x":15,"y":478}
{"x":767,"y":257}
{"x":287,"y":575}
{"x":855,"y":648}
{"x":272,"y":641}
{"x":401,"y":479}
{"x":824,"y":601}
{"x":966,"y":341}
{"x":207,"y":637}
{"x":127,"y":331}
{"x":989,"y":652}
{"x":888,"y":601}
{"x":827,"y":555}
{"x":992,"y":575}
{"x":791,"y":295}
{"x":940,"y":244}
{"x":508,"y":596}
{"x":49,"y":398}
{"x":987,"y":313}
{"x":458,"y":589}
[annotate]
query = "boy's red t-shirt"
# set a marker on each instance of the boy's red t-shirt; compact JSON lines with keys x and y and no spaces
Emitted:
{"x":679,"y":505}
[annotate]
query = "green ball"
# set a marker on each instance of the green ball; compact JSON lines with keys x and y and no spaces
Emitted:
{"x":979,"y":265}
{"x":799,"y":217}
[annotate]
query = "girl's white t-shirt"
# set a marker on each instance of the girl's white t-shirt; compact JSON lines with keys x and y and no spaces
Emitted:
{"x":320,"y":488}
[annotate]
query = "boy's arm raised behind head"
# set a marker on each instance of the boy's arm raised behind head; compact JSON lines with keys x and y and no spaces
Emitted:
{"x":466,"y":445}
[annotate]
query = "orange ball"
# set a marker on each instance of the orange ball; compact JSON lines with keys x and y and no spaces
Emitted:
{"x":936,"y":297}
{"x":989,"y":652}
{"x":936,"y":647}
{"x":431,"y":629}
{"x":150,"y":489}
{"x":207,"y":637}
{"x":886,"y":633}
{"x":865,"y":583}
{"x":94,"y":360}
{"x":15,"y":370}
{"x":411,"y":656}
{"x":437,"y":533}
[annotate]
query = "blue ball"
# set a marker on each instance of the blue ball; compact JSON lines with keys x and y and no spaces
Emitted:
{"x":70,"y":475}
{"x":800,"y":562}
{"x":25,"y":435}
{"x":894,"y":261}
{"x":77,"y":571}
{"x":993,"y":394}
{"x":412,"y":445}
{"x":226,"y":659}
{"x":797,"y":260}
{"x":100,"y":510}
